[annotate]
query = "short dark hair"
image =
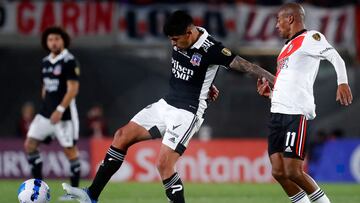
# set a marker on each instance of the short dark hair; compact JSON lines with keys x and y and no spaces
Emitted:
{"x":177,"y":23}
{"x":55,"y":30}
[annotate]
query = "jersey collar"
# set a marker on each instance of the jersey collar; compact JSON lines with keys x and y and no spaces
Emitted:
{"x":201,"y":39}
{"x":297,"y":34}
{"x":58,"y":57}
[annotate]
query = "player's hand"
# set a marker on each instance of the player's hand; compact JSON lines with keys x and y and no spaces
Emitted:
{"x":56,"y":117}
{"x":213,"y":93}
{"x":343,"y":94}
{"x":263,"y":87}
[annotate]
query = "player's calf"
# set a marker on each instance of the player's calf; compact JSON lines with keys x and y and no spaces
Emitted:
{"x":33,"y":157}
{"x":36,"y":163}
{"x":75,"y":172}
{"x":111,"y":163}
{"x":174,"y":188}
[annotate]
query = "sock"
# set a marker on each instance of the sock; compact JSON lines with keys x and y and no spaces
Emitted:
{"x":174,"y":189}
{"x":75,"y":172}
{"x":300,"y":198}
{"x":319,"y":197}
{"x":35,"y":162}
{"x":111,"y":163}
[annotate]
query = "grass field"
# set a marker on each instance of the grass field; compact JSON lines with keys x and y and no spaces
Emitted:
{"x":195,"y":193}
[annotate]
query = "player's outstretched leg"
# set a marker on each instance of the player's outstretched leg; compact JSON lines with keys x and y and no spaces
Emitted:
{"x":294,"y":192}
{"x":294,"y":172}
{"x":174,"y":188}
{"x":33,"y":156}
{"x":123,"y":139}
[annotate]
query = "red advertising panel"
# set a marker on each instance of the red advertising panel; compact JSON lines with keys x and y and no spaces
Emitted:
{"x":230,"y":160}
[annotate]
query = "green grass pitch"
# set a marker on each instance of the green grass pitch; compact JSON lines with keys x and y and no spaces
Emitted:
{"x":195,"y":192}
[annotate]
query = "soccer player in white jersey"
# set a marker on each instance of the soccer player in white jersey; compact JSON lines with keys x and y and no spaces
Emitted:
{"x":292,"y":101}
{"x":196,"y":58}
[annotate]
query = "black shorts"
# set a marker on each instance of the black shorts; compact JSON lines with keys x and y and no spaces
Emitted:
{"x":288,"y":135}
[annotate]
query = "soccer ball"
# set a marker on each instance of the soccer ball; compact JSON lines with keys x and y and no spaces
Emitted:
{"x":34,"y":191}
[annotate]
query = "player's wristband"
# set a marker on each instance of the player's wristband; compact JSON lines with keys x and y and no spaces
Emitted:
{"x":60,"y":109}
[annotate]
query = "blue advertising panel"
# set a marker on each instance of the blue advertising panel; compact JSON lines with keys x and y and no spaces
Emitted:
{"x":339,"y":161}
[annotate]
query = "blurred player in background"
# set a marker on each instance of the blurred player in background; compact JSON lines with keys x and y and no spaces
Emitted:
{"x":196,"y":58}
{"x":58,"y":115}
{"x":292,"y":101}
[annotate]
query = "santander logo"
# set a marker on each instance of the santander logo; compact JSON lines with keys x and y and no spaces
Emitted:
{"x":198,"y":167}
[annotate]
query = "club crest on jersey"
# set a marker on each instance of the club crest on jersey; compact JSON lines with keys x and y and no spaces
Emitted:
{"x":57,"y":70}
{"x":316,"y":36}
{"x":196,"y":59}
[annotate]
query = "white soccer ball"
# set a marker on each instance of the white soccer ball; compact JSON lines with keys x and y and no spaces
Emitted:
{"x":34,"y":191}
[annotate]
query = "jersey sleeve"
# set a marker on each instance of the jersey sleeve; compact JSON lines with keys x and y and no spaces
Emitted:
{"x":220,"y":55}
{"x":319,"y":47}
{"x":72,"y":70}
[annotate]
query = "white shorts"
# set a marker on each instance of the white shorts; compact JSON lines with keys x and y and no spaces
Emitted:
{"x":66,"y":132}
{"x":175,"y":126}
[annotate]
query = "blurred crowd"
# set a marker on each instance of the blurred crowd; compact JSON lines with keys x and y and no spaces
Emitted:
{"x":323,"y":3}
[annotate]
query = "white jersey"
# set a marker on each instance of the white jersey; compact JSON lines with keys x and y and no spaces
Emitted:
{"x":297,"y":67}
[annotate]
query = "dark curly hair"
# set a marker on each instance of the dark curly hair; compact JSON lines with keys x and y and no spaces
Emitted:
{"x":177,"y":23}
{"x":55,"y":30}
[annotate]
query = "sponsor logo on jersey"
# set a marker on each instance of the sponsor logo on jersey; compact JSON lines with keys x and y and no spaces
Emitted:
{"x":51,"y":85}
{"x":283,"y":63}
{"x":47,"y":70}
{"x":325,"y":50}
{"x":196,"y":59}
{"x":57,"y":70}
{"x":316,"y":36}
{"x":180,"y":71}
{"x":226,"y":52}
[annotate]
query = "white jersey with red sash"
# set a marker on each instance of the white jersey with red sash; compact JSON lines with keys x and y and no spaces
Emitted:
{"x":297,"y":68}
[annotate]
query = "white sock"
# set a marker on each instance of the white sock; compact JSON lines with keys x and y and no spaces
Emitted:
{"x":300,"y":198}
{"x":319,"y":197}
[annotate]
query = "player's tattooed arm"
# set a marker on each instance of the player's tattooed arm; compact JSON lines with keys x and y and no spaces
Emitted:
{"x":242,"y":65}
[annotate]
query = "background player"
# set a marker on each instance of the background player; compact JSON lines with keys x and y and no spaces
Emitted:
{"x":58,"y":115}
{"x":195,"y":61}
{"x":292,"y":101}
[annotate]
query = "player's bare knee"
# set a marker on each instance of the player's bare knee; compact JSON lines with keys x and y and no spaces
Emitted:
{"x":30,"y":145}
{"x":71,"y":152}
{"x":294,"y":174}
{"x":121,"y":140}
{"x":278,"y":174}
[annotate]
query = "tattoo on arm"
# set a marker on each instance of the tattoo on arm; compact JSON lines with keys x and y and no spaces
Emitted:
{"x":242,"y":65}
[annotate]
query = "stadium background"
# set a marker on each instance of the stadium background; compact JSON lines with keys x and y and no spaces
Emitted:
{"x":125,"y":65}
